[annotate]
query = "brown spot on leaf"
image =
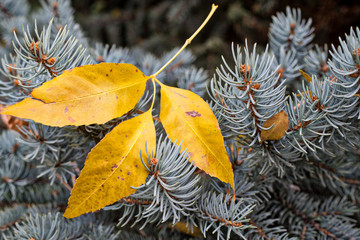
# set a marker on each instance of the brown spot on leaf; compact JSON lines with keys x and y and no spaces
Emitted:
{"x":107,"y":75}
{"x":115,"y":166}
{"x":193,"y":114}
{"x":71,"y":119}
{"x":136,"y":165}
{"x":136,"y":70}
{"x":128,"y":173}
{"x":66,"y":110}
{"x":117,"y":97}
{"x":110,"y":70}
{"x":118,"y":177}
{"x":122,"y":179}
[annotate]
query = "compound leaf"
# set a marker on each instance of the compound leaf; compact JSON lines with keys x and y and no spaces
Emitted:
{"x":113,"y":165}
{"x":187,"y":117}
{"x":84,"y":95}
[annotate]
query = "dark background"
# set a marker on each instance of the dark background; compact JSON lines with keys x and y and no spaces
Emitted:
{"x":159,"y":25}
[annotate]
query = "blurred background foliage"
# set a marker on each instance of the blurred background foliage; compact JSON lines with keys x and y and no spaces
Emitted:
{"x":161,"y":25}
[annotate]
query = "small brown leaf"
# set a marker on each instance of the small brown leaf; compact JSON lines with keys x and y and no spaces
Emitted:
{"x":279,"y":123}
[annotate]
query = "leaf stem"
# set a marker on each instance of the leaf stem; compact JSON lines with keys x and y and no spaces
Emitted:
{"x":188,"y":41}
{"x":156,"y":80}
{"x":154,"y":94}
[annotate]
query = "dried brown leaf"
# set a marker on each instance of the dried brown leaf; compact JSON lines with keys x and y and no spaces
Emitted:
{"x":279,"y":123}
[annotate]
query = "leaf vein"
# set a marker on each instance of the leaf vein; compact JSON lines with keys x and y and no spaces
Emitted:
{"x":92,"y":95}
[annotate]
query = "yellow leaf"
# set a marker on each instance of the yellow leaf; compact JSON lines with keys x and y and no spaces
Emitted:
{"x":306,"y":76}
{"x":279,"y":123}
{"x":113,"y":165}
{"x":84,"y":95}
{"x":188,"y":118}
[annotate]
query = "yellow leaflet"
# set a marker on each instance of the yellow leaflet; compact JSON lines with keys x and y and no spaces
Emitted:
{"x":113,"y":165}
{"x":279,"y":123}
{"x":84,"y":95}
{"x":187,"y":117}
{"x":306,"y":76}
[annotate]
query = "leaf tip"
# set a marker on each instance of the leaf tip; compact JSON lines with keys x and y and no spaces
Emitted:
{"x":6,"y":111}
{"x":71,"y":212}
{"x":68,"y":214}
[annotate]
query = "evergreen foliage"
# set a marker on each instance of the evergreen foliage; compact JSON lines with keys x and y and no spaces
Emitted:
{"x":304,"y":186}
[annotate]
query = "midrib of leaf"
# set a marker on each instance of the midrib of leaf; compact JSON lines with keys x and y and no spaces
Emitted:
{"x":111,"y":173}
{"x":93,"y":95}
{"x":199,"y":137}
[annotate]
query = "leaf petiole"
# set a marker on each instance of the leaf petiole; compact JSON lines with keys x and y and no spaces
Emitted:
{"x":153,"y":79}
{"x":188,"y":41}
